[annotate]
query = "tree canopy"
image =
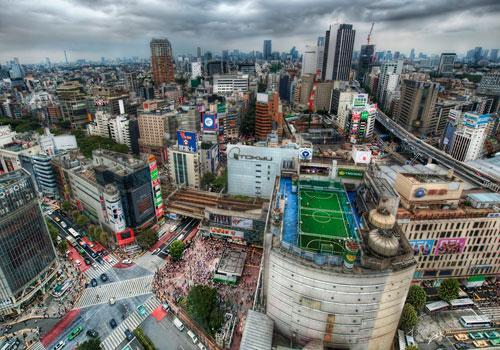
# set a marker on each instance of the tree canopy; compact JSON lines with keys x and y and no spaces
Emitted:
{"x":203,"y":306}
{"x":91,"y":344}
{"x":416,"y":297}
{"x":147,"y":238}
{"x":177,"y":249}
{"x":449,"y":289}
{"x":409,"y":318}
{"x":88,"y":143}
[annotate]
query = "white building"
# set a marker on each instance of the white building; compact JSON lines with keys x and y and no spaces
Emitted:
{"x":119,"y":130}
{"x":388,"y":77}
{"x":184,"y":167}
{"x":310,"y":60}
{"x":229,"y":83}
{"x":468,"y":140}
{"x":100,"y":125}
{"x":252,"y":170}
{"x":196,"y":70}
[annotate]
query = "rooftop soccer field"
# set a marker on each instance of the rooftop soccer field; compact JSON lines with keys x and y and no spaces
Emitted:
{"x":324,"y":213}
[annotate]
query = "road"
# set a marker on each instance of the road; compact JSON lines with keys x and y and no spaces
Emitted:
{"x":461,"y":169}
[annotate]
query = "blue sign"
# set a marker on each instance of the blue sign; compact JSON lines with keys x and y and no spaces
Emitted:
{"x":420,"y":192}
{"x":305,"y":154}
{"x":210,"y":122}
{"x":422,"y":247}
{"x":187,"y":141}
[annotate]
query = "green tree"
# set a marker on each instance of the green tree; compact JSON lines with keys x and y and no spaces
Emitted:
{"x":147,"y":238}
{"x":91,"y":344}
{"x":81,"y":220}
{"x":203,"y":306}
{"x":412,"y":347}
{"x":220,"y":182}
{"x":177,"y":249}
{"x":409,"y":318}
{"x":103,"y":237}
{"x":75,"y":214}
{"x":62,"y":246}
{"x":65,"y":206}
{"x":416,"y":297}
{"x":53,"y":231}
{"x":449,"y":289}
{"x":91,"y":230}
{"x":206,"y":180}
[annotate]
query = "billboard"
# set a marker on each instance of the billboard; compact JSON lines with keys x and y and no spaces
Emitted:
{"x":227,"y":232}
{"x":242,"y":223}
{"x":156,"y":187}
{"x":125,"y":237}
{"x":187,"y":141}
{"x":350,"y":173}
{"x":305,"y":154}
{"x":450,"y":246}
{"x":422,"y":246}
{"x":359,"y":100}
{"x":210,"y":122}
{"x":361,"y":156}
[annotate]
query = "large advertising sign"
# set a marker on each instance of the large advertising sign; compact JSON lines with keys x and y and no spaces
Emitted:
{"x":227,"y":232}
{"x":422,"y":246}
{"x":450,"y":246}
{"x":359,"y":100}
{"x":350,"y":173}
{"x":187,"y":141}
{"x":156,"y":187}
{"x":210,"y":122}
{"x":242,"y":223}
{"x":125,"y":237}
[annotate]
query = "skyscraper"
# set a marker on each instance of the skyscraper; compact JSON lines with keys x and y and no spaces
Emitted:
{"x":365,"y":61}
{"x":446,"y":63}
{"x":267,"y":49}
{"x":309,"y":60}
{"x":338,"y":53}
{"x":388,"y":79}
{"x":494,"y":55}
{"x":416,"y":112}
{"x":27,"y":256}
{"x":162,"y":63}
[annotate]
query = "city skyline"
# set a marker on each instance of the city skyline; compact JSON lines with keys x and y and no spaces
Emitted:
{"x":90,"y":30}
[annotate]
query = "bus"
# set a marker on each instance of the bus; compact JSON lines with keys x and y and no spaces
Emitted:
{"x":436,"y":306}
{"x":73,"y":232}
{"x":475,"y":321}
{"x":462,"y":303}
{"x":74,"y":332}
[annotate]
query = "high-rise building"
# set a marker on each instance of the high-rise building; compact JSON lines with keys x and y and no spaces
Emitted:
{"x":309,"y":60}
{"x":75,"y":104}
{"x":468,"y":140}
{"x":228,"y":84}
{"x":162,"y":62}
{"x":268,"y":114}
{"x":490,"y":84}
{"x":155,"y":128}
{"x":494,"y":55}
{"x":366,"y":57}
{"x":477,"y":54}
{"x":267,"y":50}
{"x":196,"y":70}
{"x":388,"y":78}
{"x":27,"y":257}
{"x":338,"y":53}
{"x":416,"y":108}
{"x":446,"y":63}
{"x":412,"y":55}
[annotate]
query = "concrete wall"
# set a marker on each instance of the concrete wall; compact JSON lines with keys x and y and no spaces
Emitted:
{"x":364,"y":308}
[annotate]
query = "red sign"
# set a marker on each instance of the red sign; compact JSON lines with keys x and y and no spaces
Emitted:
{"x":125,"y":237}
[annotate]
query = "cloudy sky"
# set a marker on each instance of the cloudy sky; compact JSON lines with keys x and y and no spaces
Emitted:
{"x":33,"y":30}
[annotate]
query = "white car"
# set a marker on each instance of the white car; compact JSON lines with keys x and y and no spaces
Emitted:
{"x":127,"y":261}
{"x":201,"y":346}
{"x":78,"y":262}
{"x":60,"y":345}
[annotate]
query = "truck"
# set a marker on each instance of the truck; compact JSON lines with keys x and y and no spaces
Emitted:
{"x":178,"y":324}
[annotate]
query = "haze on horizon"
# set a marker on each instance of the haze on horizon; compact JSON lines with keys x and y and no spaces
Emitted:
{"x":90,"y":29}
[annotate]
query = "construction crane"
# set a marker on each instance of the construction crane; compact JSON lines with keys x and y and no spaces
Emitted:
{"x":370,"y":34}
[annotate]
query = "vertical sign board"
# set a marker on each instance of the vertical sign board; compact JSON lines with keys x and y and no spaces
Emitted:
{"x":210,"y":122}
{"x":187,"y":141}
{"x":155,"y":184}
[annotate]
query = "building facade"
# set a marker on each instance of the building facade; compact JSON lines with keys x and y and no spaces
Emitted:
{"x":230,"y":83}
{"x":338,"y":53}
{"x":162,"y":62}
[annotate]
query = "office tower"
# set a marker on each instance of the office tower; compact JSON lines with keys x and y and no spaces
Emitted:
{"x":267,"y":50}
{"x":195,"y":70}
{"x":198,"y":53}
{"x":131,"y":177}
{"x":490,"y":84}
{"x":338,"y":53}
{"x":27,"y":257}
{"x":494,"y":55}
{"x":228,"y":84}
{"x":225,"y":55}
{"x":162,"y":63}
{"x":468,"y":140}
{"x":416,"y":108}
{"x":155,"y":127}
{"x":366,"y":57}
{"x":217,"y":67}
{"x":388,"y":79}
{"x":309,"y":60}
{"x":320,"y":53}
{"x":446,"y":63}
{"x":75,"y":104}
{"x":478,"y":54}
{"x":16,"y":71}
{"x":131,"y":81}
{"x":268,"y":114}
{"x":40,"y":169}
{"x":294,"y":54}
{"x":412,"y":55}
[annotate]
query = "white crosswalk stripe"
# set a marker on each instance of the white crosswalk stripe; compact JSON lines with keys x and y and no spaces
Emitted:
{"x":131,"y":322}
{"x":118,"y":290}
{"x":37,"y":346}
{"x":95,"y":272}
{"x":492,"y":311}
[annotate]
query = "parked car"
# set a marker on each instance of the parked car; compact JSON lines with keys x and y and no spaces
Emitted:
{"x":87,"y":261}
{"x":112,"y":323}
{"x":60,"y":345}
{"x":93,"y":282}
{"x":142,"y":310}
{"x":104,"y":277}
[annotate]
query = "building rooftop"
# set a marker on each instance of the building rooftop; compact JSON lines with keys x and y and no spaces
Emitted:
{"x":11,"y":178}
{"x":258,"y":332}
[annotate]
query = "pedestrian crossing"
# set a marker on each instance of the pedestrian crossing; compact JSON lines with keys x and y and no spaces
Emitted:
{"x":95,"y":272}
{"x":118,"y":290}
{"x":37,"y":346}
{"x":131,"y":322}
{"x":493,"y":312}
